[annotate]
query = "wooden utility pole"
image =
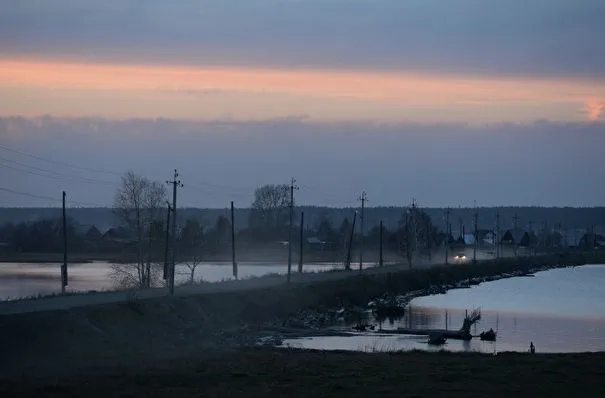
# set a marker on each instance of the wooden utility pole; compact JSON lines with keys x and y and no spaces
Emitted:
{"x":301,"y":246}
{"x":350,"y":246}
{"x":148,"y":267}
{"x":530,"y":240}
{"x":381,"y":259}
{"x":233,"y":241}
{"x":292,"y":188}
{"x":447,"y":237}
{"x":363,"y":198}
{"x":476,"y":245}
{"x":515,"y":243}
{"x":498,"y":238}
{"x":64,"y":267}
{"x":167,"y":245}
{"x":175,"y":184}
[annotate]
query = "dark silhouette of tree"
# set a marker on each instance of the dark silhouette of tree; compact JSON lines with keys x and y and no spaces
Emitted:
{"x":138,"y":204}
{"x":269,"y":212}
{"x":192,"y":236}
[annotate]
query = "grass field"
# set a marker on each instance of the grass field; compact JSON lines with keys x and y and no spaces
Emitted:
{"x":268,"y":373}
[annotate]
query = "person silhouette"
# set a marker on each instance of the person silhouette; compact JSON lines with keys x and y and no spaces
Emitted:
{"x":532,"y":348}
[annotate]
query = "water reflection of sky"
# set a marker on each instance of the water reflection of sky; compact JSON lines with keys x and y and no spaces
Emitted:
{"x":568,"y":292}
{"x":29,"y":279}
{"x":560,"y":310}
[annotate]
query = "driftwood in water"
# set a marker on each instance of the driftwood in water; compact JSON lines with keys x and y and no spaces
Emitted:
{"x":448,"y":334}
{"x":463,"y":334}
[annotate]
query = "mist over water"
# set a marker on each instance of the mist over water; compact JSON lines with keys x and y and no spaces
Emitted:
{"x":18,"y":280}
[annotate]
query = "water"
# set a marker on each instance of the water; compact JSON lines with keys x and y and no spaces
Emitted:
{"x":30,"y":279}
{"x":560,"y":310}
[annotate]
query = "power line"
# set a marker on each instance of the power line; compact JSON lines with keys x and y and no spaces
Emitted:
{"x":54,"y":174}
{"x":330,"y":199}
{"x":30,"y":195}
{"x":35,"y":196}
{"x":59,"y":163}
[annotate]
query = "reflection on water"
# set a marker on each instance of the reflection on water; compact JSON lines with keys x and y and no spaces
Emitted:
{"x":29,"y":279}
{"x":572,"y":320}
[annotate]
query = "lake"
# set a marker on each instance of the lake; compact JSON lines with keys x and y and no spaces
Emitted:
{"x":19,"y":280}
{"x":560,"y":310}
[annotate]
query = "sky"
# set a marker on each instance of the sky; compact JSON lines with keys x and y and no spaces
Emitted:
{"x":427,"y":99}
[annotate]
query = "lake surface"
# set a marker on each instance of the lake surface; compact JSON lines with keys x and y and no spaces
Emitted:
{"x":19,"y":280}
{"x":561,"y":310}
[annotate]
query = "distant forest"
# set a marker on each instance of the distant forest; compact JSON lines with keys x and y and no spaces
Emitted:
{"x":537,"y":217}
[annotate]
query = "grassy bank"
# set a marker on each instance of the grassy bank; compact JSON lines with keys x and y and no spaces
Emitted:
{"x":262,"y":373}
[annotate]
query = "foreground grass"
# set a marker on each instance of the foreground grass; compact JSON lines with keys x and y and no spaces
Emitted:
{"x":262,"y":373}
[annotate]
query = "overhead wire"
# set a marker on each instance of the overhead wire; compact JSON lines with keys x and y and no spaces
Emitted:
{"x":52,"y":174}
{"x":57,"y":162}
{"x":51,"y":199}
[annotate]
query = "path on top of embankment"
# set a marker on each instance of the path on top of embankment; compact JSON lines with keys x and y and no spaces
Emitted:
{"x":83,"y":299}
{"x":96,"y":298}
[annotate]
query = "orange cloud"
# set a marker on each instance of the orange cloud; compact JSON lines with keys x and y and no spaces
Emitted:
{"x":594,"y":109}
{"x":244,"y":92}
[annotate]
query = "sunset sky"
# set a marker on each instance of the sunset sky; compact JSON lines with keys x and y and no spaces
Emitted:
{"x":322,"y":67}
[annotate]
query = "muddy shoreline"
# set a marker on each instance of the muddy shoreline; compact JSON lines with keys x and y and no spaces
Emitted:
{"x":314,"y":323}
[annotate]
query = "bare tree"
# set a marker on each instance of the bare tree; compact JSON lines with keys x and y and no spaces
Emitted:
{"x":192,"y":264}
{"x":138,"y":204}
{"x":416,"y":231}
{"x":270,"y":207}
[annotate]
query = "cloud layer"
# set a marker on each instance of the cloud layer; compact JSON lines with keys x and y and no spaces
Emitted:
{"x":76,"y":89}
{"x":497,"y":37}
{"x":541,"y":163}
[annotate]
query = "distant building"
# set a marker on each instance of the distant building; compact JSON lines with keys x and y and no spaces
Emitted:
{"x":572,"y":238}
{"x":118,"y":235}
{"x":516,"y":236}
{"x":486,"y":237}
{"x":591,"y":240}
{"x":93,"y":234}
{"x":316,"y":243}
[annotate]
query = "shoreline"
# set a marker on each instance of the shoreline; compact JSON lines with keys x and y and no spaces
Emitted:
{"x":313,"y":320}
{"x":224,"y":321}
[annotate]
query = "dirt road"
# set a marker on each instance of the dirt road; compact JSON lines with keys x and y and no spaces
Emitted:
{"x":97,"y":298}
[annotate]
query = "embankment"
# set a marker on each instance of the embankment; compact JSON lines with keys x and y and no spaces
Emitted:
{"x":161,"y":328}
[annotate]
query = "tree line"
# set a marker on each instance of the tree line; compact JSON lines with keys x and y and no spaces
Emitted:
{"x":140,"y":207}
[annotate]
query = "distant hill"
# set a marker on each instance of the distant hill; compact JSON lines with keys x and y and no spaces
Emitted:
{"x":568,"y":217}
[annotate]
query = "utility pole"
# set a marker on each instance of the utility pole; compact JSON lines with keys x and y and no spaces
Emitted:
{"x":233,"y":241}
{"x":447,"y":237}
{"x":476,"y":245}
{"x":565,"y":239}
{"x":350,"y":246}
{"x":292,"y":188}
{"x":175,"y":184}
{"x":498,"y":235}
{"x":363,"y":198}
{"x":300,"y":259}
{"x":530,"y":235}
{"x":381,"y":259}
{"x":167,"y":246}
{"x":148,"y":267}
{"x":64,"y":267}
{"x":515,"y":243}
